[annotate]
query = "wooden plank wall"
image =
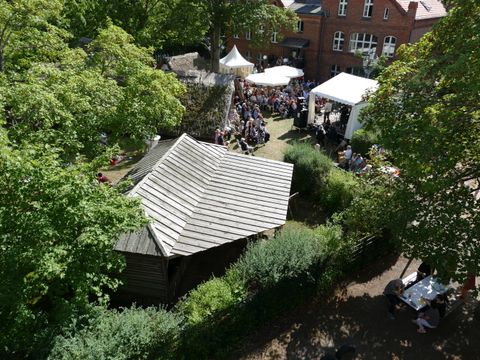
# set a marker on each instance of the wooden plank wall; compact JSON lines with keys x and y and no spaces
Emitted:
{"x":145,"y":276}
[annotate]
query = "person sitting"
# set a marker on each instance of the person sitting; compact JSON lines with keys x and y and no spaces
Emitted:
{"x":393,"y":291}
{"x":320,"y":136}
{"x":356,"y":163}
{"x":246,"y":149}
{"x":347,"y":156}
{"x":102,"y":179}
{"x":430,"y":318}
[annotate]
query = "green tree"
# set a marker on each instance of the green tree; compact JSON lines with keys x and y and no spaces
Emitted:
{"x":426,"y":112}
{"x":27,"y":31}
{"x":57,"y":231}
{"x":112,"y":87}
{"x":171,"y":24}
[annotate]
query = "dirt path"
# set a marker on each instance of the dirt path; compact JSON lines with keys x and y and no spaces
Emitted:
{"x":358,"y":317}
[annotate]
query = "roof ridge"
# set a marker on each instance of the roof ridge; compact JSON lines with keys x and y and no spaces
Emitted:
{"x":164,"y":156}
{"x":204,"y":189}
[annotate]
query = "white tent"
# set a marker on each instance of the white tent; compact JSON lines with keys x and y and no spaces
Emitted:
{"x":268,"y":79}
{"x":287,"y":71}
{"x":235,"y":63}
{"x":346,"y":89}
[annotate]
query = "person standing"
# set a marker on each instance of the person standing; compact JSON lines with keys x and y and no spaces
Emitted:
{"x":327,"y":110}
{"x":393,"y":291}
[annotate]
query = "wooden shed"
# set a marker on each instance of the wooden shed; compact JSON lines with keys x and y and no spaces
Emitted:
{"x":203,"y":202}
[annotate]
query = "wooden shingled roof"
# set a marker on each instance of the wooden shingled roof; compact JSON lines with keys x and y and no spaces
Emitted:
{"x":199,"y":196}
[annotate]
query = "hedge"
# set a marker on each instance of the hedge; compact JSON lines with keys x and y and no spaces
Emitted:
{"x":310,"y":168}
{"x":134,"y":333}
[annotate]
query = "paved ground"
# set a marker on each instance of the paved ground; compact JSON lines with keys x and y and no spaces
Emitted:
{"x":358,"y":317}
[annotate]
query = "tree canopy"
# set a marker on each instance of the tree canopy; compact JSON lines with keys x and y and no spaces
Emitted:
{"x":58,"y":226}
{"x":426,"y":112}
{"x":73,"y":95}
{"x":167,"y":24}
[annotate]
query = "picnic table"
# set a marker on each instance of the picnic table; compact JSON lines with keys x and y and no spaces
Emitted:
{"x":428,"y":288}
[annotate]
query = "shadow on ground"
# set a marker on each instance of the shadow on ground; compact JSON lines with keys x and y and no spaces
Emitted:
{"x":360,"y":319}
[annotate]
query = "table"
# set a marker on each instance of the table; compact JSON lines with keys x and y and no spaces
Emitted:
{"x":427,"y":288}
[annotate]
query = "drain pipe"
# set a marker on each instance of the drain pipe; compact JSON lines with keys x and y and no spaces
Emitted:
{"x":324,"y":15}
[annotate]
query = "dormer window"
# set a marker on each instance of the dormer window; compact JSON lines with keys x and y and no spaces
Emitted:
{"x":342,"y":8}
{"x":368,"y":9}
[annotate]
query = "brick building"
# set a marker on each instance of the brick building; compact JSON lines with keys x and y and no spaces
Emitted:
{"x":331,"y":32}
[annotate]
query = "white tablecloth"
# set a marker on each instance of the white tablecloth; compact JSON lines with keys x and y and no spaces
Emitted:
{"x":427,"y":288}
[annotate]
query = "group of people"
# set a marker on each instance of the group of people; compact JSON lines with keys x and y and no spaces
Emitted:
{"x":434,"y":310}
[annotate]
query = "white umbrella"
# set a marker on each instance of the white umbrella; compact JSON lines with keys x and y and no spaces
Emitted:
{"x":287,"y":71}
{"x":268,"y":79}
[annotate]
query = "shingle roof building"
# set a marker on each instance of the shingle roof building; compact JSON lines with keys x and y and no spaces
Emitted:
{"x":199,"y":195}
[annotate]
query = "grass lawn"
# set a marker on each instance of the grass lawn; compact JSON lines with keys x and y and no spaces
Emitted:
{"x":281,"y":137}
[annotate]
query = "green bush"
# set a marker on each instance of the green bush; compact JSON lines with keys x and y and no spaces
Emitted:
{"x":341,"y":187}
{"x":310,"y":168}
{"x":362,"y":141}
{"x":128,"y":334}
{"x":294,"y":253}
{"x":210,"y":298}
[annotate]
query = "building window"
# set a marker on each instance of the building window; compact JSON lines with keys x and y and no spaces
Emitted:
{"x":338,"y":40}
{"x":368,"y":8}
{"x":274,"y":37}
{"x":248,"y":55}
{"x":385,"y":13}
{"x":334,"y":70}
{"x":261,"y":29}
{"x":248,"y":35}
{"x":300,"y":26}
{"x":259,"y":58}
{"x":389,"y":46}
{"x":236,"y":36}
{"x":342,"y":8}
{"x":354,"y":71}
{"x":362,"y":42}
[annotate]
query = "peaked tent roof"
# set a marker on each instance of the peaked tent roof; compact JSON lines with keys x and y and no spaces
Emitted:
{"x":234,"y":59}
{"x":199,"y":196}
{"x":345,"y":88}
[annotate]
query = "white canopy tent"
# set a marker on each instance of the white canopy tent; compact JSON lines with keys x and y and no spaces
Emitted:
{"x":235,"y":63}
{"x":346,"y":89}
{"x":287,"y":71}
{"x":268,"y":79}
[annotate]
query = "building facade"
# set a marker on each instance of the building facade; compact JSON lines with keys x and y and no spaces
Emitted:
{"x":332,"y":35}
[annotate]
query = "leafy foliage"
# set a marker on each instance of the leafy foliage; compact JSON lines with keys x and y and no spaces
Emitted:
{"x":68,"y":102}
{"x":57,"y":231}
{"x":211,"y":298}
{"x":426,"y":112}
{"x":340,"y":189}
{"x":310,"y":168}
{"x":362,"y":141}
{"x":293,"y":253}
{"x":131,"y":333}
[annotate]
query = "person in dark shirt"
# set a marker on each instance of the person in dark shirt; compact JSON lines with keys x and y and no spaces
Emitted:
{"x":423,"y":271}
{"x":393,"y":291}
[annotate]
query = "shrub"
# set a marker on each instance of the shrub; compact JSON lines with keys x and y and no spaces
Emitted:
{"x":362,"y":141}
{"x":292,"y":254}
{"x":212,"y":297}
{"x":341,"y":187}
{"x":128,"y":334}
{"x":310,"y":168}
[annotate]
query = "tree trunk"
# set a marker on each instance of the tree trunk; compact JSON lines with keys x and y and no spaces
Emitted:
{"x":215,"y":49}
